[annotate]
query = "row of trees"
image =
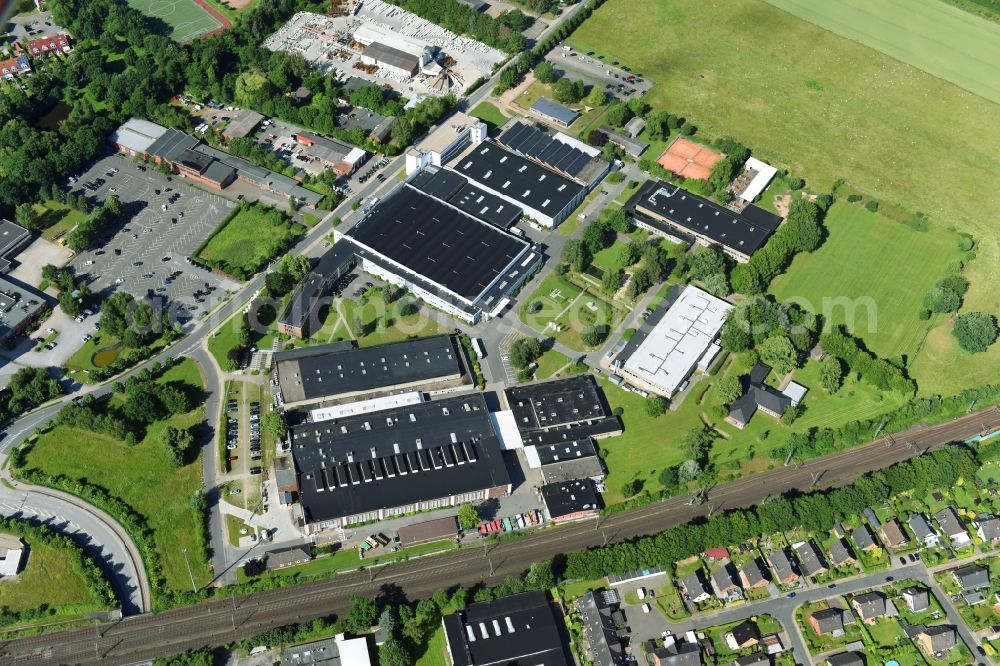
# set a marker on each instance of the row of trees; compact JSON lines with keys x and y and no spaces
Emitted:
{"x":464,"y":20}
{"x":801,"y":232}
{"x":28,"y":388}
{"x":876,"y":371}
{"x":91,"y":229}
{"x":815,"y":511}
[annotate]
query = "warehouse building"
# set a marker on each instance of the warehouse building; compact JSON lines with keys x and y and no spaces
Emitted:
{"x":524,"y":628}
{"x":566,"y":501}
{"x":457,"y":262}
{"x":392,"y":52}
{"x":456,"y":190}
{"x":245,"y":122}
{"x":340,"y":372}
{"x":13,"y":239}
{"x":673,"y":341}
{"x":545,"y":196}
{"x":556,"y":151}
{"x":414,"y":458}
{"x":667,"y":210}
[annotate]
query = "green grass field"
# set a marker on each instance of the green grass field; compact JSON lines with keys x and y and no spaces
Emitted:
{"x":490,"y":114}
{"x":57,"y":219}
{"x":141,"y":477}
{"x":47,"y":579}
{"x":906,"y":136}
{"x":850,"y":280}
{"x":184,"y":17}
{"x":250,"y":239}
{"x":931,"y":35}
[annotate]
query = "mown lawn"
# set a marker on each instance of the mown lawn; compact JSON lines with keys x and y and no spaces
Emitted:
{"x":555,"y":294}
{"x":490,"y":114}
{"x":375,"y":329}
{"x":47,"y":579}
{"x":255,"y":235}
{"x":57,"y":218}
{"x":141,"y":477}
{"x":871,"y":274}
{"x":908,"y":137}
{"x":434,"y":651}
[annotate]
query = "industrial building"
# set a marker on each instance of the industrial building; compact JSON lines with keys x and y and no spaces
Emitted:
{"x":456,"y":190}
{"x":445,"y":141}
{"x":669,"y":211}
{"x":524,"y":628}
{"x":455,"y":261}
{"x":20,"y":307}
{"x":570,"y":500}
{"x":245,"y":122}
{"x":545,"y":196}
{"x":557,"y":423}
{"x":201,"y":163}
{"x":301,"y":316}
{"x":556,"y":151}
{"x":673,"y":341}
{"x":337,"y":155}
{"x":335,"y":651}
{"x":554,"y":112}
{"x":340,"y":372}
{"x":13,"y":239}
{"x":392,"y":462}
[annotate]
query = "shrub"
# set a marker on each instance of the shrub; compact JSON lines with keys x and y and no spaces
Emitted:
{"x":975,"y":331}
{"x":872,"y":206}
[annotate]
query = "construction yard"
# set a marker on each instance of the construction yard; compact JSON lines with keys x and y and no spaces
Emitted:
{"x":338,"y":43}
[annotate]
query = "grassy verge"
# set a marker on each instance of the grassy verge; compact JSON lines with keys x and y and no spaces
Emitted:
{"x":142,"y":478}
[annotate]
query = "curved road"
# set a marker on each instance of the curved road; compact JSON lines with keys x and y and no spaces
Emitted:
{"x":223,"y":620}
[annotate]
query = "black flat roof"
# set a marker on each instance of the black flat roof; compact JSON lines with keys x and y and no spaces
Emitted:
{"x":701,"y":216}
{"x":568,"y":497}
{"x":459,"y":192}
{"x":563,"y":451}
{"x":556,"y":403}
{"x":519,"y":629}
{"x":430,"y":238}
{"x":396,"y":457}
{"x":330,"y":370}
{"x":517,"y":177}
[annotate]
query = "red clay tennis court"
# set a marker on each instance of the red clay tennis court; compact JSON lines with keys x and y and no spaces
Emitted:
{"x":689,"y":159}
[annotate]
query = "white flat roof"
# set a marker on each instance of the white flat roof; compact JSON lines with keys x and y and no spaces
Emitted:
{"x":366,"y":406}
{"x":668,"y":355}
{"x":505,"y":426}
{"x":137,"y":134}
{"x":765,"y":172}
{"x":355,"y":155}
{"x":354,"y":651}
{"x":576,"y":143}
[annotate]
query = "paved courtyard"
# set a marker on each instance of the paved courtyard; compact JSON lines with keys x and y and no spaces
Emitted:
{"x":147,"y":254}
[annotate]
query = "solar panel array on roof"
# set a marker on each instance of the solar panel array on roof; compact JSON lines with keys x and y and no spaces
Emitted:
{"x":538,"y":145}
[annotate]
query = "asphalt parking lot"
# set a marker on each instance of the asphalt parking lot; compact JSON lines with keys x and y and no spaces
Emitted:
{"x":149,"y":248}
{"x":614,"y":79}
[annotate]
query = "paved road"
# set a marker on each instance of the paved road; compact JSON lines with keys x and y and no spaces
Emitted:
{"x":223,"y":620}
{"x":95,"y":531}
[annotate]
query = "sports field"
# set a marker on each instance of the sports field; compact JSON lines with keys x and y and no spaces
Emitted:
{"x":824,"y":107}
{"x":188,"y":19}
{"x":929,"y":34}
{"x":871,"y":273}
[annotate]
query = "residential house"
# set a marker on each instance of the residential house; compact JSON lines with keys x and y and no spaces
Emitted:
{"x":892,"y":534}
{"x":840,"y":553}
{"x":742,"y":636}
{"x":916,"y":599}
{"x":772,"y":644}
{"x":754,"y":574}
{"x":757,"y":395}
{"x":922,"y":531}
{"x":785,"y":571}
{"x":828,"y":621}
{"x":755,"y":659}
{"x":715,"y":554}
{"x":811,"y":561}
{"x":676,"y":654}
{"x":952,"y":527}
{"x":869,"y":606}
{"x":864,"y":538}
{"x":972,"y":579}
{"x":695,"y":588}
{"x":938,"y":638}
{"x":988,"y":528}
{"x":846,"y":659}
{"x":601,"y":632}
{"x":724,"y":583}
